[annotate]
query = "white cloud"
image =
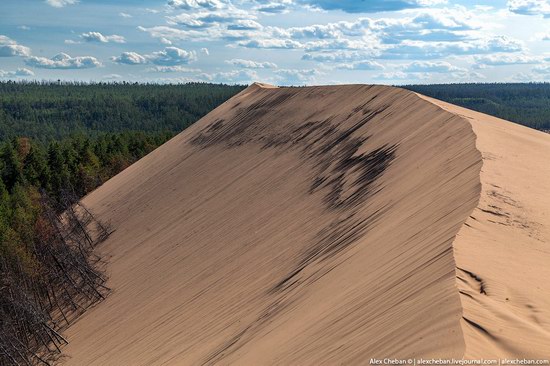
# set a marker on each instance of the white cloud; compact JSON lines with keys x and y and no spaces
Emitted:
{"x":170,"y":56}
{"x":171,"y":34}
{"x":125,"y":15}
{"x":427,"y":72}
{"x":248,"y":64}
{"x":466,"y":75}
{"x":205,"y":51}
{"x":9,"y":48}
{"x":399,"y":75}
{"x":188,"y":20}
{"x":431,"y":50}
{"x":320,"y":31}
{"x":274,"y":7}
{"x":197,"y":4}
{"x":530,"y":7}
{"x":130,"y":58}
{"x":371,"y":6}
{"x":238,"y":27}
{"x":63,"y":61}
{"x":451,"y":24}
{"x":61,"y":3}
{"x":437,"y":25}
{"x":500,"y":59}
{"x":361,"y":65}
{"x":340,"y":44}
{"x":244,"y":24}
{"x":21,"y":72}
{"x":429,"y":66}
{"x":338,"y":56}
{"x":271,"y":43}
{"x":296,"y":77}
{"x":425,"y":33}
{"x":166,"y":69}
{"x":205,"y":19}
{"x":24,"y":72}
{"x":236,"y":76}
{"x":525,"y":77}
{"x":542,"y":69}
{"x":98,"y":37}
{"x":111,"y":77}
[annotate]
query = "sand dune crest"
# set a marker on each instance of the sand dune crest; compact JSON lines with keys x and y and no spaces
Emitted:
{"x":326,"y":225}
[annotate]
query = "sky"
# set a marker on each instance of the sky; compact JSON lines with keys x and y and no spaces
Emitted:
{"x":282,"y":42}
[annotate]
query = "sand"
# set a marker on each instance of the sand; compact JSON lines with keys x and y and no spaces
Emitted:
{"x":326,"y":226}
{"x":505,"y":242}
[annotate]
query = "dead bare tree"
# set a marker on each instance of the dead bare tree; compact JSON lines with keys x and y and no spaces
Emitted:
{"x":37,"y":303}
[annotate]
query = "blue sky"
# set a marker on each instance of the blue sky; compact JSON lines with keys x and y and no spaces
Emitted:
{"x":298,"y":42}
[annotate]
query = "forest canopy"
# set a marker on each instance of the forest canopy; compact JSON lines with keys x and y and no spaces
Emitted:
{"x":45,"y":111}
{"x":524,"y":103}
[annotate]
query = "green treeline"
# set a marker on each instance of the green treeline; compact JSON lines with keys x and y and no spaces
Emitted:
{"x":78,"y":163}
{"x":524,"y":103}
{"x":45,"y":111}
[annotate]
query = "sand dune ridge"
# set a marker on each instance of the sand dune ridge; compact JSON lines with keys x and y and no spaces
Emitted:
{"x":326,"y":225}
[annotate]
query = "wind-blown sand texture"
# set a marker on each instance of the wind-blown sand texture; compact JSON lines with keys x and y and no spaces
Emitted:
{"x":326,"y":226}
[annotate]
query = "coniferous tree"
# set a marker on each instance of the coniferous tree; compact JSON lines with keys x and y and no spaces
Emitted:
{"x":35,"y":168}
{"x":10,"y":166}
{"x":60,"y":178}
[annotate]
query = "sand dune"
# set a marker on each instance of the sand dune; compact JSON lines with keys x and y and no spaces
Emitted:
{"x":505,"y":242}
{"x":326,"y":225}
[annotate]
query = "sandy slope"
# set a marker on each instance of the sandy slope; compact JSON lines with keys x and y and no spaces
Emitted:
{"x":505,"y":242}
{"x":325,"y":225}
